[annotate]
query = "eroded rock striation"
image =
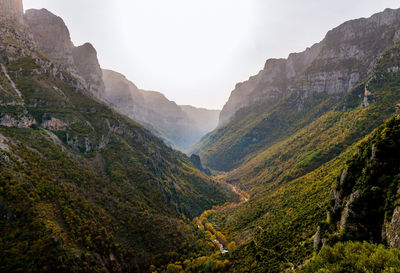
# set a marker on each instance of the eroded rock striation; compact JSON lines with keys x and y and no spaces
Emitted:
{"x":12,"y":9}
{"x":180,"y":126}
{"x":53,"y":39}
{"x":333,"y":66}
{"x":87,"y":64}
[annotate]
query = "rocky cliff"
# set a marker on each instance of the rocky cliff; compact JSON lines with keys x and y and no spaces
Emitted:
{"x":53,"y":39}
{"x":180,"y":126}
{"x":87,"y":64}
{"x":288,"y":94}
{"x":365,"y":201}
{"x":154,"y":110}
{"x":12,"y":9}
{"x":333,"y":66}
{"x":89,"y":189}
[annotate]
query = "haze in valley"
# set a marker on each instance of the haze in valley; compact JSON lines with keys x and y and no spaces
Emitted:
{"x":196,"y":51}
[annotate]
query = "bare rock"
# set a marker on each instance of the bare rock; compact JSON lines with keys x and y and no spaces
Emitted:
{"x":12,"y":9}
{"x":351,"y":213}
{"x":87,"y":64}
{"x":54,"y":124}
{"x":23,"y":121}
{"x":393,"y":234}
{"x":333,"y":66}
{"x":317,"y":239}
{"x":53,"y":39}
{"x":51,"y":35}
{"x":180,"y":126}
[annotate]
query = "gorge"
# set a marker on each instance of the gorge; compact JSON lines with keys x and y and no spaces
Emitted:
{"x":299,"y":172}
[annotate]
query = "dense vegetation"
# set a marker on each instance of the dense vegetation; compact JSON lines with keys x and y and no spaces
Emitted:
{"x":355,"y":257}
{"x":367,"y":193}
{"x":82,"y":188}
{"x":85,"y":189}
{"x":362,"y":208}
{"x":290,"y":181}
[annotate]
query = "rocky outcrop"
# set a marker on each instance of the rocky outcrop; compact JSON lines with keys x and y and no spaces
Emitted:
{"x":87,"y":64}
{"x":12,"y":9}
{"x":53,"y":39}
{"x":54,"y":124}
{"x":180,"y":126}
{"x":393,"y":234}
{"x":51,"y":35}
{"x":196,"y":161}
{"x":18,"y":121}
{"x":352,"y":213}
{"x":333,"y":66}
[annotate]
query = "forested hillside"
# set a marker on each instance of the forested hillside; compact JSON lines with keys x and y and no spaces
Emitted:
{"x":83,"y":188}
{"x":290,"y":181}
{"x":302,"y":175}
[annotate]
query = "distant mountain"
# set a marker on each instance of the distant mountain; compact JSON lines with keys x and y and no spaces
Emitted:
{"x":290,"y":93}
{"x":302,"y":127}
{"x":53,"y":39}
{"x":82,"y":187}
{"x":305,"y":160}
{"x":152,"y":109}
{"x":204,"y":119}
{"x":180,"y":126}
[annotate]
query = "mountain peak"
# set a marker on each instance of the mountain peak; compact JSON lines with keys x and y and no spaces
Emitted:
{"x":12,"y":9}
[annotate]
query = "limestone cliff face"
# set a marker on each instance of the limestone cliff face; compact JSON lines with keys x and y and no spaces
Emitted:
{"x":85,"y":60}
{"x":12,"y":9}
{"x":51,"y":35}
{"x":180,"y":126}
{"x":333,"y":66}
{"x":53,"y":39}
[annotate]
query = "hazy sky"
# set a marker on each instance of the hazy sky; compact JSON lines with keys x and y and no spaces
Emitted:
{"x":195,"y":51}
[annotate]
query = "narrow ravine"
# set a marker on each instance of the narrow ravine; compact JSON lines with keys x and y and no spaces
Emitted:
{"x":207,"y":227}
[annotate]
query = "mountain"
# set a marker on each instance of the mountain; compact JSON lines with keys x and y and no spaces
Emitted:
{"x":82,"y":187}
{"x":364,"y":207}
{"x":289,"y":93}
{"x":53,"y":39}
{"x":152,"y":109}
{"x":305,"y":160}
{"x":204,"y":119}
{"x":288,"y":142}
{"x":180,"y":126}
{"x":12,"y":9}
{"x":289,"y":183}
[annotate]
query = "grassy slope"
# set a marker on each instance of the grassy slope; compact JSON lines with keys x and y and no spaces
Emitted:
{"x":373,"y":171}
{"x":290,"y":181}
{"x":99,"y":194}
{"x":265,"y":123}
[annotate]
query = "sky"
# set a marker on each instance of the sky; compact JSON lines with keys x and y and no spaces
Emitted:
{"x":195,"y":51}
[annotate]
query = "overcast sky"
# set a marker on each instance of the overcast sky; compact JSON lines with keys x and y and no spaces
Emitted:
{"x":195,"y":51}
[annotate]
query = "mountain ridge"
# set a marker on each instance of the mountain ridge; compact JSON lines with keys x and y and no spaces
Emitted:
{"x":296,"y":62}
{"x":82,"y":185}
{"x":295,"y":87}
{"x":151,"y":108}
{"x":180,"y":126}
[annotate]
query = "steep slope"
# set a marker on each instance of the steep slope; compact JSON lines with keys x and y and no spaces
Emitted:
{"x":365,"y":206}
{"x":365,"y":200}
{"x":12,"y":9}
{"x":53,"y":39}
{"x":290,"y":181}
{"x":152,"y":109}
{"x":180,"y":126}
{"x":204,"y":119}
{"x":83,"y":188}
{"x":290,"y":93}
